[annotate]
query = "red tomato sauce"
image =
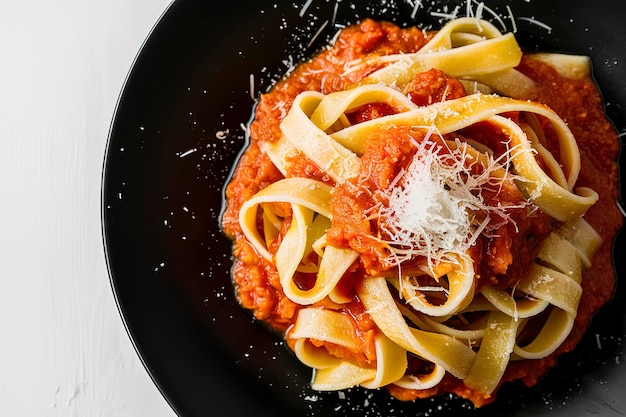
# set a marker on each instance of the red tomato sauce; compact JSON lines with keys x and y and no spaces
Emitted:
{"x":578,"y":102}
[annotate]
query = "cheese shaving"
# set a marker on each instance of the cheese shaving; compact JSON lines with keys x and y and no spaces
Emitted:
{"x":435,"y":207}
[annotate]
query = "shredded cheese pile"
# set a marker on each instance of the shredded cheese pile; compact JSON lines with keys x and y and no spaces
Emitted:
{"x":435,"y":207}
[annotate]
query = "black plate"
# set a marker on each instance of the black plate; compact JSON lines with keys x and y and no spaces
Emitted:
{"x":178,"y":130}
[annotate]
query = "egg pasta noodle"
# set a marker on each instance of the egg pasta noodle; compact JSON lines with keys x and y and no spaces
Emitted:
{"x":423,"y":294}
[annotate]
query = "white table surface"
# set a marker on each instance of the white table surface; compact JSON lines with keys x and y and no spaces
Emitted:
{"x":63,"y":347}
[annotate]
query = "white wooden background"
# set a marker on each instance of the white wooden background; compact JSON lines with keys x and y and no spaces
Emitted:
{"x":63,"y":348}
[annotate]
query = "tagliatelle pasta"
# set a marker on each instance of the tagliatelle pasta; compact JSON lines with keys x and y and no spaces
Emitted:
{"x":419,"y":214}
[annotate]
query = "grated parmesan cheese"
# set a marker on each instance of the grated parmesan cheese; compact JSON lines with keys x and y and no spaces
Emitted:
{"x":317,"y":34}
{"x":435,"y":208}
{"x":304,"y":8}
{"x":416,"y":6}
{"x":536,"y":22}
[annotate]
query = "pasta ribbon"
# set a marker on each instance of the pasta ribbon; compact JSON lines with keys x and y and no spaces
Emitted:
{"x":332,"y":373}
{"x":459,"y":293}
{"x":472,"y":334}
{"x":344,"y":375}
{"x":298,"y":129}
{"x":552,"y":335}
{"x":303,"y":192}
{"x":570,"y":66}
{"x":494,"y":353}
{"x":465,"y":48}
{"x":333,"y":266}
{"x":325,"y":325}
{"x":391,"y":360}
{"x":422,"y":381}
{"x":487,"y":56}
{"x":583,"y":237}
{"x":518,"y":309}
{"x":559,"y":202}
{"x":449,"y":353}
{"x":552,"y":286}
{"x":338,"y":104}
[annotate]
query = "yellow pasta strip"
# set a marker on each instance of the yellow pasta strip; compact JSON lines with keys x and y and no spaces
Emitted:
{"x":488,"y":56}
{"x":558,"y":284}
{"x":451,"y":354}
{"x":460,"y":291}
{"x":315,"y":231}
{"x":344,"y":375}
{"x":466,"y":31}
{"x":391,"y":363}
{"x":556,"y":201}
{"x":325,"y":325}
{"x":552,"y":335}
{"x":584,"y":238}
{"x":461,"y":31}
{"x":333,"y":158}
{"x":423,"y":381}
{"x":517,"y":309}
{"x":280,"y":152}
{"x":271,"y":228}
{"x":536,"y":137}
{"x":452,"y":115}
{"x":576,"y":67}
{"x":424,"y":322}
{"x":464,"y":47}
{"x":562,"y":255}
{"x":306,"y":192}
{"x":332,"y":372}
{"x":313,"y":356}
{"x":494,"y":353}
{"x":509,"y":82}
{"x":290,"y":253}
{"x":552,"y":286}
{"x":336,"y":104}
{"x":334,"y":263}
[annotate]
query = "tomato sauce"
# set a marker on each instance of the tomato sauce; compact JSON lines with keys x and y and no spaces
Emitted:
{"x":578,"y":102}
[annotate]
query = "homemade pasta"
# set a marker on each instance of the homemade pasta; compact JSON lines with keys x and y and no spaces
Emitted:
{"x":415,"y":210}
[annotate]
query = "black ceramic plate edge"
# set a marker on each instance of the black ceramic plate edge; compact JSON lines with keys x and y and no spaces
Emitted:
{"x":205,"y":380}
{"x":186,"y":335}
{"x":105,"y":218}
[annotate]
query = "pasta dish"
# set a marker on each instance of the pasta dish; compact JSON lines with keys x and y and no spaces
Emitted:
{"x":427,"y":211}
